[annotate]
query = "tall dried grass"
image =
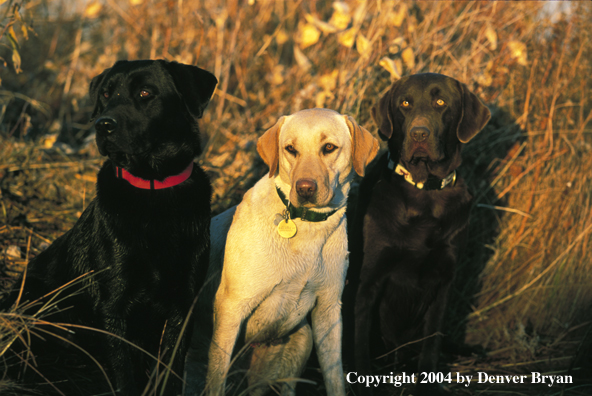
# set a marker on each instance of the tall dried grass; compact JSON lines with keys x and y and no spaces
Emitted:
{"x":524,"y":286}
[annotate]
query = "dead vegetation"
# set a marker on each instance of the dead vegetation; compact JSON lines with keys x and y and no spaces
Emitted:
{"x":524,"y":287}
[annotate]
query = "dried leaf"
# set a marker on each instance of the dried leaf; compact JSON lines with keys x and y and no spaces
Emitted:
{"x":363,"y":45}
{"x":341,"y":15}
{"x":491,"y":37}
{"x":12,"y":251}
{"x":25,"y":31}
{"x":396,"y":45}
{"x":412,"y":24}
{"x":518,"y":50}
{"x":277,"y":75}
{"x":322,"y":97}
{"x":348,"y":37}
{"x":92,"y":10}
{"x":325,"y":27}
{"x":281,"y":37}
{"x":301,"y":59}
{"x":408,"y":58}
{"x":136,"y":2}
{"x":308,"y":35}
{"x":16,"y":56}
{"x":391,"y":67}
{"x":49,"y":140}
{"x":329,"y":81}
{"x":398,"y":17}
{"x":360,"y":13}
{"x":485,"y":79}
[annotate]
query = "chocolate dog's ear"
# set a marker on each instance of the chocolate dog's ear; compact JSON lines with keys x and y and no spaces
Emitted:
{"x":474,"y":115}
{"x":364,"y":145}
{"x":195,"y":85}
{"x":268,"y":146}
{"x":93,"y":92}
{"x":382,"y":115}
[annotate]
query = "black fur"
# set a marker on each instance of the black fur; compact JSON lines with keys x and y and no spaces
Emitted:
{"x":405,"y":241}
{"x":148,"y":249}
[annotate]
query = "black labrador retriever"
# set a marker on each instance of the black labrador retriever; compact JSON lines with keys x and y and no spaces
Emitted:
{"x":145,"y":237}
{"x":411,"y":217}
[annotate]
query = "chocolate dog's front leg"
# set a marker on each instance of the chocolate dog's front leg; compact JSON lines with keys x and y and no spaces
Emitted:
{"x":444,"y":259}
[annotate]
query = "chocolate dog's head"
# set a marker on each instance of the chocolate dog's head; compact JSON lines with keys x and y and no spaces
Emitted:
{"x":145,"y":114}
{"x":425,"y":118}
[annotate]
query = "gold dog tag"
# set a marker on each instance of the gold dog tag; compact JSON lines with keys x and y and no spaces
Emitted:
{"x":287,"y":229}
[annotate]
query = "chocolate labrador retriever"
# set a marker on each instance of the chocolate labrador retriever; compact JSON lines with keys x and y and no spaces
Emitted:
{"x":411,"y":217}
{"x":145,"y":237}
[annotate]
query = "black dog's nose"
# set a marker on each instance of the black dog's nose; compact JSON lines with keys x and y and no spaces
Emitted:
{"x":106,"y":125}
{"x":306,"y":188}
{"x":420,"y":133}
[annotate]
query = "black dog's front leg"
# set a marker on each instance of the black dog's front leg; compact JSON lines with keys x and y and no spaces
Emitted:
{"x":123,"y":372}
{"x":173,"y":352}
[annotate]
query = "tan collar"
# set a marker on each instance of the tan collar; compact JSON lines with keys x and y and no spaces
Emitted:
{"x":431,"y":184}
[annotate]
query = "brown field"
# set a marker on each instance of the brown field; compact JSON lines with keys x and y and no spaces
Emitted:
{"x":523,"y":290}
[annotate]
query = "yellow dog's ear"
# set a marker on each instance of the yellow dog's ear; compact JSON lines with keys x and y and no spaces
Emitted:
{"x":364,"y":145}
{"x":268,"y":146}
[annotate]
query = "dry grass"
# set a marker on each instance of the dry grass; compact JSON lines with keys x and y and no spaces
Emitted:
{"x":524,"y":288}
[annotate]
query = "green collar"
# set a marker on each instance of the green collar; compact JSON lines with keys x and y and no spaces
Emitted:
{"x":304,"y":213}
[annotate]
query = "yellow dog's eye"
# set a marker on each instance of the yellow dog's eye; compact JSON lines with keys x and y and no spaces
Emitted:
{"x":440,"y":102}
{"x":290,"y":149}
{"x":329,"y":148}
{"x":405,"y":103}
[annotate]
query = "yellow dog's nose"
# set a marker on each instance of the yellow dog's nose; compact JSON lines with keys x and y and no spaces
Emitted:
{"x":306,"y":188}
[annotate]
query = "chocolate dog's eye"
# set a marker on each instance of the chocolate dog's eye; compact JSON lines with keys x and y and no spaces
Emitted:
{"x":329,"y":148}
{"x":290,"y":149}
{"x":405,"y":103}
{"x":440,"y":102}
{"x":144,"y":93}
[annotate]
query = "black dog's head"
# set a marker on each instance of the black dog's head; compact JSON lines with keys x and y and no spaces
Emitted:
{"x":425,"y":118}
{"x":146,"y":114}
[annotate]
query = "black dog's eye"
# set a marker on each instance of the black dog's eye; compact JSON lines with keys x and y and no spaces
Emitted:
{"x":329,"y":148}
{"x":106,"y":95}
{"x":440,"y":102}
{"x":290,"y":149}
{"x":405,"y":103}
{"x":144,"y":93}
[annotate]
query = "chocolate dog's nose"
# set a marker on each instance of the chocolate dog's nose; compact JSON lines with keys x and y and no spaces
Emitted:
{"x":306,"y":188}
{"x":106,"y":125}
{"x":420,"y":133}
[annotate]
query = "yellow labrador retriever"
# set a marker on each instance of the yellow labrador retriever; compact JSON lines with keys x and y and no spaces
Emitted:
{"x":286,"y":254}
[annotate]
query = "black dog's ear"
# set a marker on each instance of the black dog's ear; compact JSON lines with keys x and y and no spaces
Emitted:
{"x":474,"y":116}
{"x":93,"y":92}
{"x":195,"y":85}
{"x":381,"y":113}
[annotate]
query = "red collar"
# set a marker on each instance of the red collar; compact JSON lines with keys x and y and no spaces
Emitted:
{"x":152,"y":184}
